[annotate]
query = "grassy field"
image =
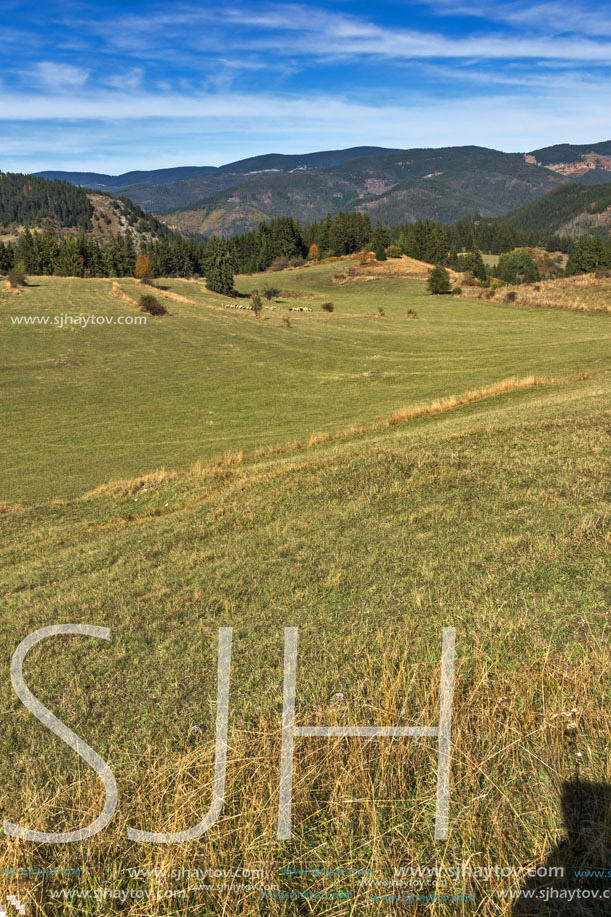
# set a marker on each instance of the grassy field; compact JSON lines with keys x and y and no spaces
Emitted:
{"x":88,"y":404}
{"x":488,"y":513}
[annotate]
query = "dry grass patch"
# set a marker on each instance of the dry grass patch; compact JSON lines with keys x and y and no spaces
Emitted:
{"x":585,"y":293}
{"x":128,"y":486}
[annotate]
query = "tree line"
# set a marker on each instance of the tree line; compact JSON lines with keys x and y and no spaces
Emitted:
{"x":280,"y":242}
{"x":27,"y":200}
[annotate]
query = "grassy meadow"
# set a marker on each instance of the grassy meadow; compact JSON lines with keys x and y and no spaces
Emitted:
{"x":367,"y":478}
{"x":85,"y":405}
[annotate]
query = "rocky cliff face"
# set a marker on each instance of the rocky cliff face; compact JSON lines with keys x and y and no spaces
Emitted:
{"x":584,"y":164}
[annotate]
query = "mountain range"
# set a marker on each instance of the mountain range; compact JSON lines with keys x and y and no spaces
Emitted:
{"x":391,"y":185}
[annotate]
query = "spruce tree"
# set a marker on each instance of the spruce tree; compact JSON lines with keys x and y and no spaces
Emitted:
{"x":439,"y":280}
{"x":218,"y":267}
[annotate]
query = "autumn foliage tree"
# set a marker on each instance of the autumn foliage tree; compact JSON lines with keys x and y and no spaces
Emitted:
{"x":143,"y":269}
{"x":314,"y":252}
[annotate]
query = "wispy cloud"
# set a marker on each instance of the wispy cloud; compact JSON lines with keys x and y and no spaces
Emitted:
{"x":52,"y":75}
{"x":203,"y":83}
{"x":555,"y":17}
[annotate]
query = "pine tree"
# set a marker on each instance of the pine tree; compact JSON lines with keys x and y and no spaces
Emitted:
{"x":218,"y":267}
{"x":381,"y":241}
{"x":439,"y":280}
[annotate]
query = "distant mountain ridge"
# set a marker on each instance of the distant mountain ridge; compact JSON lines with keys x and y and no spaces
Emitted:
{"x":402,"y":186}
{"x":391,"y":185}
{"x":267,"y":162}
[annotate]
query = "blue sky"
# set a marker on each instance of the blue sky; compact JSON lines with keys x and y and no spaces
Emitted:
{"x":114,"y":86}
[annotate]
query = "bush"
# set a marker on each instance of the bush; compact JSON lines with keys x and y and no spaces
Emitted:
{"x":327,"y":307}
{"x":457,"y":291}
{"x":394,"y":251}
{"x":439,"y":280}
{"x":279,"y":264}
{"x":149,"y":303}
{"x":256,"y":303}
{"x":411,"y":314}
{"x":470,"y":280}
{"x":381,"y":312}
{"x":16,"y":277}
{"x":518,"y":267}
{"x":511,"y":296}
{"x":270,"y":292}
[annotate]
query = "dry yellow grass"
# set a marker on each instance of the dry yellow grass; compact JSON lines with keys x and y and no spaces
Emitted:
{"x":120,"y":294}
{"x":128,"y":486}
{"x":584,"y":293}
{"x":369,"y":269}
{"x":233,"y":458}
{"x":318,"y":438}
{"x":498,"y":732}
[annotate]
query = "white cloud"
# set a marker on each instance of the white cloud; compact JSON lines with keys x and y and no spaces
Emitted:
{"x":54,"y":75}
{"x":291,"y":29}
{"x":554,"y":17}
{"x":130,"y":80}
{"x":215,"y":128}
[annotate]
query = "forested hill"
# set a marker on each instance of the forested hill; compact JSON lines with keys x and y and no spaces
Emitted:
{"x":572,"y":209}
{"x":29,"y":201}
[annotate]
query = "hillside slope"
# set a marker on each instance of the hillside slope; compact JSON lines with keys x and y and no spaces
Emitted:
{"x":572,"y":209}
{"x":401,"y":187}
{"x":491,"y":519}
{"x":590,"y":163}
{"x":166,"y":189}
{"x":27,"y":202}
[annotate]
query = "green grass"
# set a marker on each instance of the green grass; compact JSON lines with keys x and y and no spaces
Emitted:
{"x":84,"y":405}
{"x":491,"y":516}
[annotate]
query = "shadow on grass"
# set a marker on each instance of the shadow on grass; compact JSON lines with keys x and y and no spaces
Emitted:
{"x":583,"y":857}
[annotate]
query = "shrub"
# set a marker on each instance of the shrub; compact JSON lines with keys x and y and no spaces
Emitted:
{"x":411,"y":314}
{"x":327,"y":307}
{"x":439,"y":280}
{"x":149,"y":303}
{"x":380,"y":254}
{"x":511,"y":296}
{"x":16,"y":277}
{"x":393,"y":251}
{"x":457,"y":291}
{"x":381,"y":312}
{"x":270,"y":292}
{"x":518,"y":267}
{"x":256,"y":303}
{"x":279,"y":264}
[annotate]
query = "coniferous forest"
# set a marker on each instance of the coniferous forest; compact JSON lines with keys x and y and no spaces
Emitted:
{"x":47,"y":207}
